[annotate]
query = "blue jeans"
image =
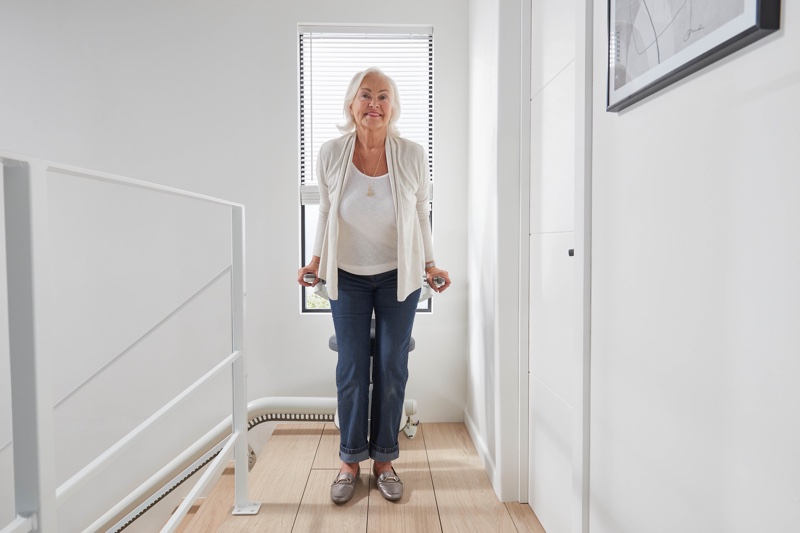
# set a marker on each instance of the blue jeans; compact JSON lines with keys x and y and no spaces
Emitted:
{"x":352,"y":312}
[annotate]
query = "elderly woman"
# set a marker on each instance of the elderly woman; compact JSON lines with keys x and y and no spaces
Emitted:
{"x":373,"y":244}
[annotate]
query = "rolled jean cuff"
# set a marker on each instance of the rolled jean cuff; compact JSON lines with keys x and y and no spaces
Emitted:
{"x":348,"y":455}
{"x":384,"y":455}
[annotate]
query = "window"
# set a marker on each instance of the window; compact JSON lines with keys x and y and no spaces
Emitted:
{"x":329,"y":57}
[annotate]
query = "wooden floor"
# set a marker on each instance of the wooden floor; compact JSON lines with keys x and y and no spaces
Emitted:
{"x":446,"y":489}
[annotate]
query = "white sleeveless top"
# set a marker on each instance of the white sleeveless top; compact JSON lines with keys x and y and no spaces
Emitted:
{"x":367,"y":225}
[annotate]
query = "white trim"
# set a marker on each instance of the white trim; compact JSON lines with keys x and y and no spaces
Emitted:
{"x":480,"y":447}
{"x":583,"y":250}
{"x":507,"y":326}
{"x":387,"y":29}
{"x":525,"y":249}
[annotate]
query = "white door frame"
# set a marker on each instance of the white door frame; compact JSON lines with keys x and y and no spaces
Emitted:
{"x":584,"y":35}
{"x":525,"y":246}
{"x":583,"y":247}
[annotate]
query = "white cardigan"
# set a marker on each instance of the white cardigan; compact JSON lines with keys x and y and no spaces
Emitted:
{"x":408,"y":177}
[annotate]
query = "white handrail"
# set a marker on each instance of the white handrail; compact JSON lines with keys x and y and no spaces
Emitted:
{"x":145,"y":502}
{"x":213,"y":471}
{"x":130,"y":182}
{"x":68,"y":489}
{"x":36,"y":495}
{"x":21,"y":524}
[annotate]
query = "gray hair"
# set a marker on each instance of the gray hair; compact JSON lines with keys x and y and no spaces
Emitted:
{"x":349,"y":125}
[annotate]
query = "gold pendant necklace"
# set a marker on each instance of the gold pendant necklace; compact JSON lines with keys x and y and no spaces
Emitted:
{"x":370,"y":192}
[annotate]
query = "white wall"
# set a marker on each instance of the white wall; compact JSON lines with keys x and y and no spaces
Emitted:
{"x":482,"y":227}
{"x":203,"y":96}
{"x":494,"y":206}
{"x":696,"y":297}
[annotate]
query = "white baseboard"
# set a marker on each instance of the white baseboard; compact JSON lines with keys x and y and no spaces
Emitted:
{"x":483,"y":451}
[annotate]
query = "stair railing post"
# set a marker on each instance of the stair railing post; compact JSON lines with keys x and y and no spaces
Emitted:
{"x":242,"y":504}
{"x":25,"y":198}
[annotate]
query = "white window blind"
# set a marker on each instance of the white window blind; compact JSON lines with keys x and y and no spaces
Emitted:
{"x":330,"y":56}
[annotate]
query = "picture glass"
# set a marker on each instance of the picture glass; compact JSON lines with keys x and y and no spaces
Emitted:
{"x":649,"y":32}
{"x":654,"y":43}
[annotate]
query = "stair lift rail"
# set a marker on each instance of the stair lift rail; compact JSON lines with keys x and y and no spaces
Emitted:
{"x":37,"y":497}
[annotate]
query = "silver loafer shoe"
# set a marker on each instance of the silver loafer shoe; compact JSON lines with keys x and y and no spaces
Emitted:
{"x":389,"y":485}
{"x":344,"y":486}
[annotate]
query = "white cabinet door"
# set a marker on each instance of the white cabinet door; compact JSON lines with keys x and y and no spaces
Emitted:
{"x":553,"y":384}
{"x":552,"y":379}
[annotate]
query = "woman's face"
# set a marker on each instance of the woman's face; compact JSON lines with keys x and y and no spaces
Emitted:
{"x":372,"y":106}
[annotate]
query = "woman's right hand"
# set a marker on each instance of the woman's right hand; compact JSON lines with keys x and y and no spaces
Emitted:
{"x":310,"y":268}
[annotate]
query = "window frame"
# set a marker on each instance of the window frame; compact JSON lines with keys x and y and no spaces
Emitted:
{"x":307,"y":157}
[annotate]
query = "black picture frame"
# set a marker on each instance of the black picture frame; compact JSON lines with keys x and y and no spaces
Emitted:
{"x":654,"y":43}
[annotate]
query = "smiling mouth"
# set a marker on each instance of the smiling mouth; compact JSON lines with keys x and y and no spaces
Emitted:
{"x":373,"y":114}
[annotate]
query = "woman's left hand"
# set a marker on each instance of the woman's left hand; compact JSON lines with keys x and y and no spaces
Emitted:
{"x":433,"y":272}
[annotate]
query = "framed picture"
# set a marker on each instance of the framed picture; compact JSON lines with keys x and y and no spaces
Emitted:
{"x":654,"y":43}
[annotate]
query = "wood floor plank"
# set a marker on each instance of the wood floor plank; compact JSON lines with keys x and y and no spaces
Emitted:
{"x":464,"y":494}
{"x":185,"y":525}
{"x":317,"y":512}
{"x":446,"y":489}
{"x":524,"y":518}
{"x":212,"y":511}
{"x":279,"y":479}
{"x":328,"y":451}
{"x":416,"y":512}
